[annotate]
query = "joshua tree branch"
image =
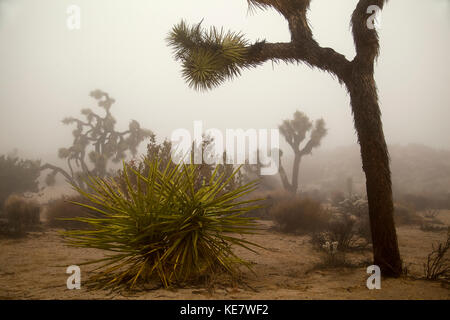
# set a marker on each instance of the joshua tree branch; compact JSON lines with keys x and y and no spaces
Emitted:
{"x":366,"y":39}
{"x":308,"y":52}
{"x":57,"y":170}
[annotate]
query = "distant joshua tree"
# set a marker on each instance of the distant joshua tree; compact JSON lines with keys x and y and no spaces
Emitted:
{"x":210,"y":57}
{"x":294,"y":131}
{"x":96,"y":139}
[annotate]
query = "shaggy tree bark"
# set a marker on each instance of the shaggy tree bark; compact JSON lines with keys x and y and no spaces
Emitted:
{"x":375,"y":161}
{"x":199,"y":56}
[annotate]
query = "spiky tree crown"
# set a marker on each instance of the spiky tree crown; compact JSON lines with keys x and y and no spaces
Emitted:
{"x":295,"y":130}
{"x":208,"y":57}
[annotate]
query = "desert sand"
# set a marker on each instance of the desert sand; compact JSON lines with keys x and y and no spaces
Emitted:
{"x":35,"y":268}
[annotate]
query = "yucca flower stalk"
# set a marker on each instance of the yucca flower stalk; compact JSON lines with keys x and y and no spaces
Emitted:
{"x":163,"y":227}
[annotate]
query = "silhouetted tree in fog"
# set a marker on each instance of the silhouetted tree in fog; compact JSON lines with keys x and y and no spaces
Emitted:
{"x":96,"y":139}
{"x":294,"y":131}
{"x":210,"y":57}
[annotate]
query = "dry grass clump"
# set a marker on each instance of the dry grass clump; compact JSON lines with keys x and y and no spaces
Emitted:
{"x":21,"y":215}
{"x":299,"y":214}
{"x":438,"y":262}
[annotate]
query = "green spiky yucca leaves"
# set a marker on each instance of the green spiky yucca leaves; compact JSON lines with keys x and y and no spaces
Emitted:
{"x":163,"y":227}
{"x":208,"y":57}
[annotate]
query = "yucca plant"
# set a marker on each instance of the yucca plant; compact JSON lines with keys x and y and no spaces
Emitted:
{"x":164,"y":227}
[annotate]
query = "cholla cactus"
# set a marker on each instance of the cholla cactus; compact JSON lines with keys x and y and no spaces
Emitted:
{"x":96,"y":139}
{"x":331,"y":247}
{"x":333,"y":257}
{"x":355,"y":206}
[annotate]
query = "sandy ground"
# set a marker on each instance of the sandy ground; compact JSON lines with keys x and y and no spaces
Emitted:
{"x":34,"y":268}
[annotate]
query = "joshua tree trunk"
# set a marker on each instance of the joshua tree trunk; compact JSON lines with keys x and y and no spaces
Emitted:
{"x":295,"y":172}
{"x":290,"y":187}
{"x":375,"y":161}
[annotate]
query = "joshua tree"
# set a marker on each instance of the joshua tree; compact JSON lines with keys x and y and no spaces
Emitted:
{"x":211,"y":57}
{"x":294,"y":131}
{"x":97,"y":139}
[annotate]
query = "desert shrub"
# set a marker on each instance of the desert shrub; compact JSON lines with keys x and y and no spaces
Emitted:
{"x":17,"y":176}
{"x":61,"y":212}
{"x":267,"y":200}
{"x":315,"y":195}
{"x":355,"y":206}
{"x":359,"y":208}
{"x":349,"y":227}
{"x":4,"y":229}
{"x":406,"y":216}
{"x":421,"y":202}
{"x":344,"y":230}
{"x":21,"y":215}
{"x":164,"y":228}
{"x":431,"y":223}
{"x":438,"y":262}
{"x":319,"y":239}
{"x":332,"y":257}
{"x":431,"y":214}
{"x":299,"y":214}
{"x":337,"y":197}
{"x":363,"y":229}
{"x":418,"y":202}
{"x":432,"y":227}
{"x":354,"y":220}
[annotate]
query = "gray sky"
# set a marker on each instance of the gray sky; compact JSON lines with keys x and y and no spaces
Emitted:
{"x":47,"y":71}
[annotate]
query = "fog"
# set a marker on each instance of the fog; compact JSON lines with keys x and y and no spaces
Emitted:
{"x":309,"y":224}
{"x":47,"y":71}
